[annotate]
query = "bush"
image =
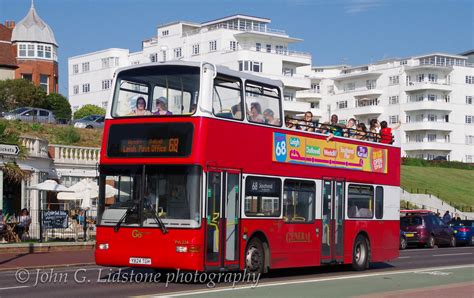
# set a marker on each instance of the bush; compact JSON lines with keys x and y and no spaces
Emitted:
{"x":418,"y":162}
{"x":67,"y":136}
{"x":88,"y":110}
{"x":59,"y":105}
{"x":20,"y":93}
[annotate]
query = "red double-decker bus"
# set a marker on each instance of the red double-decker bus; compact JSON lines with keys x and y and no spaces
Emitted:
{"x":198,"y":172}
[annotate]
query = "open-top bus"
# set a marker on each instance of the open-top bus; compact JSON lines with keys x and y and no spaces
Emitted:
{"x":188,"y":180}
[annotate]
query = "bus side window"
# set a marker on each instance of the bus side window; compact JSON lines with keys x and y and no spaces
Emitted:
{"x":226,"y":98}
{"x":360,"y":201}
{"x":262,"y":103}
{"x":298,"y":201}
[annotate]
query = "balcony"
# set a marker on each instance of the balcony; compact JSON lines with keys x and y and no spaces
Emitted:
{"x":368,"y":110}
{"x":309,"y":95}
{"x":295,"y":81}
{"x":363,"y":92}
{"x":418,"y":86}
{"x":357,"y":75}
{"x":428,"y":105}
{"x":35,"y":147}
{"x":72,"y":155}
{"x":428,"y":125}
{"x":414,"y":146}
{"x":296,"y":107}
{"x":293,"y":57}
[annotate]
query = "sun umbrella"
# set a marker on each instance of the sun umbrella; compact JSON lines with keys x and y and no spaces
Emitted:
{"x":87,"y":190}
{"x":50,"y":185}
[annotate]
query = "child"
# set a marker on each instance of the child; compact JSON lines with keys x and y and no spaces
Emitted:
{"x":386,"y":132}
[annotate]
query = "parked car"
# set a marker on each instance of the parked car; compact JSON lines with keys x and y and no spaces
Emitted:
{"x":31,"y":115}
{"x":463,"y":231}
{"x":424,"y":228}
{"x":91,"y":121}
{"x":403,"y":240}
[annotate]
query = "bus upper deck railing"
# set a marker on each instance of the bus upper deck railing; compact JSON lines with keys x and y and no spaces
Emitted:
{"x":338,"y":130}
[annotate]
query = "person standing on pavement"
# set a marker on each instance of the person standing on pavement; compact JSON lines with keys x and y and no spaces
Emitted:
{"x":3,"y":227}
{"x":446,"y":217}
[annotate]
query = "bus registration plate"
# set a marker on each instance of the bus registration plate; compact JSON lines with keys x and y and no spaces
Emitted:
{"x":140,"y":261}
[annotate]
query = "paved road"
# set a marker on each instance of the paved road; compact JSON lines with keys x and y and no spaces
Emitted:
{"x":94,"y":280}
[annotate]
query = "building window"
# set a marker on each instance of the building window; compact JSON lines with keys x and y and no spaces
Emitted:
{"x":44,"y":83}
{"x":75,"y":68}
{"x":104,"y":104}
{"x":393,"y":119}
{"x":27,"y":76}
{"x":86,"y":88}
{"x":393,"y":100}
{"x":47,"y":52}
{"x":469,"y":100}
{"x":75,"y":89}
{"x":469,"y":119}
{"x":106,"y":84}
{"x":469,"y":158}
{"x":195,"y":49}
{"x":432,"y":78}
{"x":342,"y":104}
{"x":109,"y":62}
{"x":163,"y":56}
{"x":431,"y":137}
{"x":165,"y":33}
{"x":116,"y":61}
{"x":213,"y":45}
{"x":432,"y":97}
{"x":269,"y":48}
{"x":288,"y":71}
{"x":371,"y":84}
{"x":349,"y":86}
{"x":233,"y":45}
{"x":469,"y":79}
{"x":22,"y":50}
{"x":420,"y":77}
{"x":394,"y":80}
{"x":432,"y":117}
{"x":258,"y":46}
{"x":177,"y":53}
{"x":31,"y":50}
{"x":40,"y":51}
{"x":280,"y":49}
{"x":250,"y":66}
{"x":85,"y":67}
{"x":153,"y":57}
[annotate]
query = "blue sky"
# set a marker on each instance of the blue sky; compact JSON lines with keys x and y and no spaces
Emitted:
{"x":334,"y":31}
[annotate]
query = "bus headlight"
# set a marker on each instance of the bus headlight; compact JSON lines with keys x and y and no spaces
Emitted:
{"x":104,"y":246}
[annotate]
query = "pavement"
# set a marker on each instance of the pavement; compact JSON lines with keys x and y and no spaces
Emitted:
{"x":46,"y":259}
{"x":438,"y":272}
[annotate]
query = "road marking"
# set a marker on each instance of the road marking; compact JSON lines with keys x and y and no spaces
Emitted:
{"x":459,"y":254}
{"x":271,"y":284}
{"x":11,"y":288}
{"x":404,"y":257}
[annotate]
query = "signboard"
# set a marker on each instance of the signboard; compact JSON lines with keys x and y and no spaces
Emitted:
{"x":262,"y":186}
{"x":55,"y":219}
{"x":318,"y":152}
{"x":150,"y":140}
{"x":9,"y":149}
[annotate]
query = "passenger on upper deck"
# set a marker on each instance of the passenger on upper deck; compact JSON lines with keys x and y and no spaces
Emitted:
{"x":386,"y":132}
{"x":374,"y":130}
{"x":336,"y":127}
{"x":255,"y":114}
{"x":268,"y":115}
{"x":236,"y":111}
{"x":161,"y":107}
{"x":140,"y":108}
{"x":307,"y":123}
{"x":361,"y":132}
{"x":349,"y":132}
{"x":290,"y":123}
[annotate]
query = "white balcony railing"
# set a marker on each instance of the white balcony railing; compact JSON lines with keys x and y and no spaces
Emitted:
{"x":283,"y":52}
{"x":227,"y":26}
{"x":35,"y":146}
{"x":76,"y":155}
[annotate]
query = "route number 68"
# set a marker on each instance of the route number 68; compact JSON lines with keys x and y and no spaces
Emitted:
{"x":280,"y":148}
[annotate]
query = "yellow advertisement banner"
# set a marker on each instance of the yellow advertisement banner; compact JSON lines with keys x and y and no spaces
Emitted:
{"x":316,"y":152}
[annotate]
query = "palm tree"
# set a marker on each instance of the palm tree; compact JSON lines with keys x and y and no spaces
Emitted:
{"x":11,"y":170}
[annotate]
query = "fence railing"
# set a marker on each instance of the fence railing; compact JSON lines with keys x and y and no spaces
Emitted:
{"x":75,"y":155}
{"x":35,"y":147}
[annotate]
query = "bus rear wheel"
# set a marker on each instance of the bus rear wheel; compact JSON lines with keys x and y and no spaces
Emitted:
{"x":360,"y":254}
{"x":254,"y":256}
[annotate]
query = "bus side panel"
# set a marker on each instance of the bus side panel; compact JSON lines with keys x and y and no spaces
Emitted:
{"x":150,"y":243}
{"x":383,"y":238}
{"x":290,"y":244}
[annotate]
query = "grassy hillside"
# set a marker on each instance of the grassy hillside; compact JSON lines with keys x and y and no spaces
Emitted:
{"x":57,"y":134}
{"x":451,"y":185}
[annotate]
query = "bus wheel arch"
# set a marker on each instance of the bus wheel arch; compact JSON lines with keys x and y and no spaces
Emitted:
{"x":361,"y":252}
{"x":260,"y":237}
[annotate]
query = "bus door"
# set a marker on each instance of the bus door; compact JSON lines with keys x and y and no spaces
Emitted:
{"x":332,"y":217}
{"x":222,"y":213}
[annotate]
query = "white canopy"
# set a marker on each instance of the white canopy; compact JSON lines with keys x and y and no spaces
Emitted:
{"x":50,"y":185}
{"x":86,"y":190}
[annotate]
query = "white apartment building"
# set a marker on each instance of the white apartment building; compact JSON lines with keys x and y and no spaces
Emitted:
{"x":431,"y":95}
{"x":90,"y":76}
{"x":239,"y":42}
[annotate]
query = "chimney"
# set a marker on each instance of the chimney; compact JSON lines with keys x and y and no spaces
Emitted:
{"x":10,"y":24}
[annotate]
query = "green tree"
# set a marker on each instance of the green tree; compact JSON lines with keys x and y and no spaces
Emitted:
{"x":88,"y":110}
{"x":11,"y":170}
{"x":59,"y":105}
{"x":20,"y":93}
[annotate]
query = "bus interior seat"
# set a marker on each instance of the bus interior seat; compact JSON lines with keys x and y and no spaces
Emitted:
{"x":353,"y":211}
{"x":365,"y":212}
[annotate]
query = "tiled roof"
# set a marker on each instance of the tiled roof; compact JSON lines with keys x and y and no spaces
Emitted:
{"x":5,"y":33}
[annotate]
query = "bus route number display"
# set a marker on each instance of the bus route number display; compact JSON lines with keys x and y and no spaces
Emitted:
{"x":150,"y":140}
{"x":150,"y":146}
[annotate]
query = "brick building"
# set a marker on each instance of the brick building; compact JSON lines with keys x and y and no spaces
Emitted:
{"x":7,"y":55}
{"x":34,"y":48}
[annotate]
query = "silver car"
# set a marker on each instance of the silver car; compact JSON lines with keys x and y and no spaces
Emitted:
{"x":91,"y":121}
{"x":31,"y":115}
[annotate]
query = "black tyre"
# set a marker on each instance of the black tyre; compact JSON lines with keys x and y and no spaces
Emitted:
{"x":360,"y":254}
{"x":452,"y":241}
{"x":431,"y":242}
{"x":255,"y":256}
{"x":403,"y":242}
{"x":89,"y":127}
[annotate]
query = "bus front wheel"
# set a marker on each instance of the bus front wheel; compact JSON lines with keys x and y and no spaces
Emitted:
{"x":254,"y":256}
{"x":360,"y":254}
